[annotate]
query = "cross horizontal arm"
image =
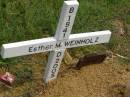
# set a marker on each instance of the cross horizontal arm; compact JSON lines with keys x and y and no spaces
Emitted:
{"x":27,"y":47}
{"x":82,"y":39}
{"x":49,"y":44}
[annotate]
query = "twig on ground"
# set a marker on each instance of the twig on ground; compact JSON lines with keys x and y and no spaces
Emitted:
{"x":123,"y":57}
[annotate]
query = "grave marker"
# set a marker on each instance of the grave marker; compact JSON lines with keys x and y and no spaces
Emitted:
{"x":57,"y":44}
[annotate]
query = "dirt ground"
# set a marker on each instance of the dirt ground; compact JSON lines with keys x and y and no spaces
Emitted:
{"x":97,"y":80}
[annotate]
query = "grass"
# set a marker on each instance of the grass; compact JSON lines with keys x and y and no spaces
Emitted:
{"x":22,"y":20}
{"x":33,"y":19}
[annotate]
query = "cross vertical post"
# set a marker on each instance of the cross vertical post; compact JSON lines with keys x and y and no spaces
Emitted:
{"x":64,"y":28}
{"x":56,"y":45}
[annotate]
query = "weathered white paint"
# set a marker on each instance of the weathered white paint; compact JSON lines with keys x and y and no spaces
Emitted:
{"x":64,"y":27}
{"x":22,"y":48}
{"x":53,"y":65}
{"x":57,"y":44}
{"x":74,"y":40}
{"x":49,"y":44}
{"x":67,"y":18}
{"x":91,"y":38}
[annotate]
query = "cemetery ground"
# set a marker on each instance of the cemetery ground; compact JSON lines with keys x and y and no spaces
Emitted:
{"x":22,"y":20}
{"x":107,"y":79}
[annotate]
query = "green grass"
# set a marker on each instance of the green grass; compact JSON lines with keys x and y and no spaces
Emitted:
{"x":32,"y":19}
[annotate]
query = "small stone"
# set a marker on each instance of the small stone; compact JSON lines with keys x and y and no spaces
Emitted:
{"x":40,"y":93}
{"x":128,"y":69}
{"x":119,"y":72}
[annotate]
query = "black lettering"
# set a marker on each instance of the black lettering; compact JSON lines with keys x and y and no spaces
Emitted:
{"x":58,"y":45}
{"x":40,"y":48}
{"x":67,"y":24}
{"x":97,"y":38}
{"x":72,"y":43}
{"x":69,"y":18}
{"x":47,"y":47}
{"x":53,"y":70}
{"x":71,"y":10}
{"x":57,"y":61}
{"x":65,"y":30}
{"x":30,"y":49}
{"x":64,"y":35}
{"x":35,"y":49}
{"x":67,"y":43}
{"x":58,"y":54}
{"x":55,"y":66}
{"x":87,"y":41}
{"x":52,"y":75}
{"x":50,"y":46}
{"x":83,"y":41}
{"x":78,"y":42}
{"x":91,"y":40}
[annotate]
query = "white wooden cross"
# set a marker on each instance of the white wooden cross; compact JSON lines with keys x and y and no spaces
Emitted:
{"x":57,"y":44}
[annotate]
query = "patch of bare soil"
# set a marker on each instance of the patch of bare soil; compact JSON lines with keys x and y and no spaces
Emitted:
{"x":98,"y":80}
